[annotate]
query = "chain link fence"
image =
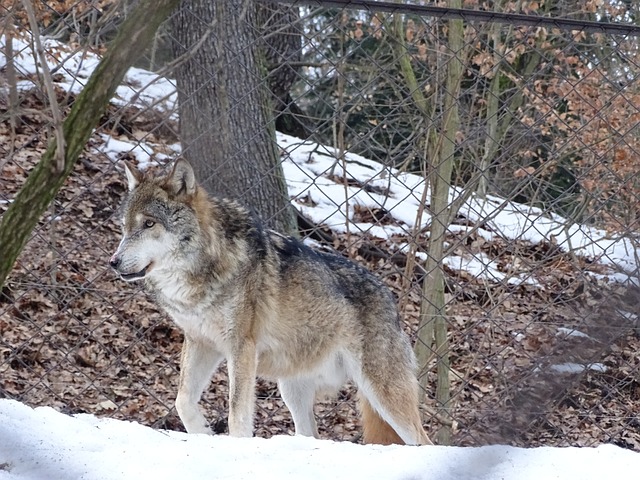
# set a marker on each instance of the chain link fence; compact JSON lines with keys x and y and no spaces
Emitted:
{"x":497,"y":150}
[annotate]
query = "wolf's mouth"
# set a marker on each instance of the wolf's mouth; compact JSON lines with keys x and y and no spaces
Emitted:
{"x":129,"y":277}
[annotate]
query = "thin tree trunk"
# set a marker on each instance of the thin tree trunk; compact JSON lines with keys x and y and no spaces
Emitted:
{"x":226,"y":122}
{"x":45,"y":180}
{"x":441,"y":217}
{"x":433,"y":319}
{"x":491,"y":143}
{"x":432,"y":330}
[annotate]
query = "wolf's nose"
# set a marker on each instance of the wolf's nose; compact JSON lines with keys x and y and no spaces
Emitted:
{"x":114,"y":261}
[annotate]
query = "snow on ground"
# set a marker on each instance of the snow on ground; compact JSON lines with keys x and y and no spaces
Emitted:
{"x":44,"y":444}
{"x":72,"y":68}
{"x":307,"y":166}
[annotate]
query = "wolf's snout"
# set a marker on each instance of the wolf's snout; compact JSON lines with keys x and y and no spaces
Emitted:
{"x":115,"y":261}
{"x":125,"y":270}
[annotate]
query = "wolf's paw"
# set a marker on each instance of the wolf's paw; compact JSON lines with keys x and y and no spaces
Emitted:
{"x":199,"y":429}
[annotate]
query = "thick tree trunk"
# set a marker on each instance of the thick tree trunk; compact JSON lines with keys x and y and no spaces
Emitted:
{"x":226,"y":124}
{"x":46,"y":179}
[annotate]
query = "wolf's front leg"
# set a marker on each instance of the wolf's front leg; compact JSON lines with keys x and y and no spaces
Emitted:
{"x":197,"y":363}
{"x":242,"y":366}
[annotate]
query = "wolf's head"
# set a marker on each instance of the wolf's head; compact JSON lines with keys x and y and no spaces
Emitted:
{"x":159,"y":222}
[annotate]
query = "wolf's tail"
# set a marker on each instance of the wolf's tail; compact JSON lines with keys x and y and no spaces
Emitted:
{"x":375,"y":429}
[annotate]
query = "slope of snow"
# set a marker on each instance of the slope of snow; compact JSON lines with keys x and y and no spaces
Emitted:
{"x":307,"y":166}
{"x":44,"y":444}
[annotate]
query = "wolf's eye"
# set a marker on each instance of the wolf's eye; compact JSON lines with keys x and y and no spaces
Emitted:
{"x":149,"y":223}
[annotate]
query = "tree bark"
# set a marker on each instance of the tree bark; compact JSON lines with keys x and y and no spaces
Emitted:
{"x":281,"y":46}
{"x":226,"y":123}
{"x":46,"y":179}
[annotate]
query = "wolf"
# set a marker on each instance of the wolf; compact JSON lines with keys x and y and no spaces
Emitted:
{"x":267,"y":304}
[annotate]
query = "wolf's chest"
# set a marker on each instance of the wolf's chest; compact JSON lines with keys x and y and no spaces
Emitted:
{"x":199,"y":316}
{"x":212,"y":323}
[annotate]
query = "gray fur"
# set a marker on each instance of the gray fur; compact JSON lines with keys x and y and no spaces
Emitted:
{"x":268,"y":304}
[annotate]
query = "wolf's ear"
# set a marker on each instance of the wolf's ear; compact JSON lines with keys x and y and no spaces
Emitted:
{"x":134,"y":176}
{"x":182,"y":180}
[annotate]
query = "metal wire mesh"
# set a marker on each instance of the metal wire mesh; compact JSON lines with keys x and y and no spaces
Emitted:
{"x":541,"y":246}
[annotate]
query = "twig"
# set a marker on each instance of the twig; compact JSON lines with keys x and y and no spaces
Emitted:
{"x":339,"y":131}
{"x":12,"y":84}
{"x":48,"y":83}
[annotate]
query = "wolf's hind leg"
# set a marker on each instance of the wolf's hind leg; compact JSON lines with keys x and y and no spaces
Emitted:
{"x":299,"y":395}
{"x":197,"y":363}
